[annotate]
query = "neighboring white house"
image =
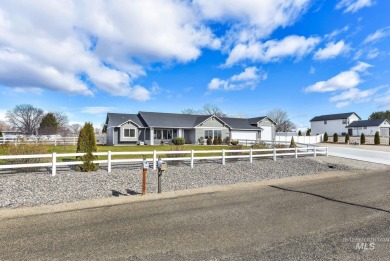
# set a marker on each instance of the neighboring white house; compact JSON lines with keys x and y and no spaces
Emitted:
{"x":369,"y":127}
{"x":333,"y":123}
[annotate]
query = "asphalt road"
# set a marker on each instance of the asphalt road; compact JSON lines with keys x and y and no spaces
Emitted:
{"x":360,"y":154}
{"x":316,"y":219}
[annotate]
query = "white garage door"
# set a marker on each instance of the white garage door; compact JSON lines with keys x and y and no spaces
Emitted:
{"x":266,"y":134}
{"x":243,"y":135}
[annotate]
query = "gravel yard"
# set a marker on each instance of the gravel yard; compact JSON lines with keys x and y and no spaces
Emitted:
{"x":39,"y":188}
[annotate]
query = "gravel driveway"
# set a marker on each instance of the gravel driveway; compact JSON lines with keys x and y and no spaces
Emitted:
{"x":39,"y":188}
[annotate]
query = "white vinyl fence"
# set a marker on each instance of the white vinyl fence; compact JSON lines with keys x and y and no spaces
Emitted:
{"x":153,"y":155}
{"x":48,"y":140}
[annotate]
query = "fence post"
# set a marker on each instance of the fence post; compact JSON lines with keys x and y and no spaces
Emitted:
{"x":327,"y":151}
{"x":274,"y":154}
{"x":296,"y":152}
{"x":223,"y":157}
{"x":154,"y":159}
{"x":74,"y":140}
{"x":55,"y":141}
{"x":109,"y":161}
{"x":315,"y":151}
{"x":192,"y":159}
{"x":251,"y":155}
{"x":54,"y":164}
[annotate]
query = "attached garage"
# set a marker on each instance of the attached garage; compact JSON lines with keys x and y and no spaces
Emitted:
{"x":243,"y":135}
{"x":267,"y":133}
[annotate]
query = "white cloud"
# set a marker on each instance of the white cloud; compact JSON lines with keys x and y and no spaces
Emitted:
{"x":384,"y":100}
{"x":253,"y":18}
{"x":373,"y":53}
{"x":377,"y":35}
{"x":272,"y":50}
{"x":97,"y":109}
{"x":59,"y":45}
{"x":351,"y":6}
{"x":249,"y":78}
{"x":336,"y":32}
{"x":342,"y":81}
{"x":353,"y":95}
{"x":331,"y":50}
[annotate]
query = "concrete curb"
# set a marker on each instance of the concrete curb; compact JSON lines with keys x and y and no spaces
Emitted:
{"x":114,"y":201}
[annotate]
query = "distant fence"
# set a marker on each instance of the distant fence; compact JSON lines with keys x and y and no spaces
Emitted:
{"x":52,"y":140}
{"x":224,"y":154}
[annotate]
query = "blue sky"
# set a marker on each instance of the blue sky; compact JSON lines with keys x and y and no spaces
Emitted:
{"x":87,"y":58}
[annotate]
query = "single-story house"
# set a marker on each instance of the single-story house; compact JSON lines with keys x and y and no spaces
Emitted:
{"x":153,"y":127}
{"x":333,"y":123}
{"x":369,"y":127}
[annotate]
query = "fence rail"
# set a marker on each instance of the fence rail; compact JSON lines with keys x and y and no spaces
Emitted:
{"x":224,"y":154}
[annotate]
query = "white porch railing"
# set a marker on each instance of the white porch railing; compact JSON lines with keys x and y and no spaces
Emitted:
{"x":153,"y":155}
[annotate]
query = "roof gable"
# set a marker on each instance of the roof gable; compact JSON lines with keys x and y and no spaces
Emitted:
{"x":338,"y":116}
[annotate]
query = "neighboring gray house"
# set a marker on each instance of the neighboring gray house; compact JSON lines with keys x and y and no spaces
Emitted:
{"x":152,"y":127}
{"x":369,"y":127}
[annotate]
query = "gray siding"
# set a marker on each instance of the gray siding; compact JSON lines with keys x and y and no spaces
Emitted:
{"x":199,"y":132}
{"x":211,"y":123}
{"x":130,"y":140}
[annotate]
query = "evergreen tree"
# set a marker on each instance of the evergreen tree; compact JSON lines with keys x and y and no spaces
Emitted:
{"x":308,"y":132}
{"x":1,"y":134}
{"x":362,"y":139}
{"x":292,"y":143}
{"x":346,"y":138}
{"x":49,"y":125}
{"x":299,"y":133}
{"x":87,"y":144}
{"x":335,"y":137}
{"x":326,"y":138}
{"x":377,"y":139}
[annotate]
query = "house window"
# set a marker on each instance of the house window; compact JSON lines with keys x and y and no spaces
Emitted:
{"x":325,"y":122}
{"x":160,"y":134}
{"x":217,"y":134}
{"x":208,"y":134}
{"x":129,"y":133}
{"x":212,"y":134}
{"x":344,"y":121}
{"x":360,"y":128}
{"x":365,"y":128}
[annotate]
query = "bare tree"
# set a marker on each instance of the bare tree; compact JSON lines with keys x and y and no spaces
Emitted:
{"x":191,"y":111}
{"x":25,"y":118}
{"x":4,"y":126}
{"x":280,"y":117}
{"x":75,"y":128}
{"x":62,"y":120}
{"x":208,"y":109}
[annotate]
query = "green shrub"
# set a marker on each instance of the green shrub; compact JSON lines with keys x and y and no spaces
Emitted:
{"x":209,"y":141}
{"x":377,"y":139}
{"x":308,"y":132}
{"x":87,"y":144}
{"x":201,"y":141}
{"x":326,"y":138}
{"x":178,"y":141}
{"x":25,"y":149}
{"x":219,"y":140}
{"x":299,"y":133}
{"x":362,"y":139}
{"x":292,"y":143}
{"x":215,"y":141}
{"x":234,"y":142}
{"x":346,"y":138}
{"x":226,"y":140}
{"x":335,"y":137}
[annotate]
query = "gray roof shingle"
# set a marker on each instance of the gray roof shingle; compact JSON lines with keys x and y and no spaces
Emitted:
{"x":117,"y":119}
{"x":333,"y":116}
{"x":366,"y":123}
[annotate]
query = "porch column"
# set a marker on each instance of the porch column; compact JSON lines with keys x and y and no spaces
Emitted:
{"x":180,"y":133}
{"x":151,"y":136}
